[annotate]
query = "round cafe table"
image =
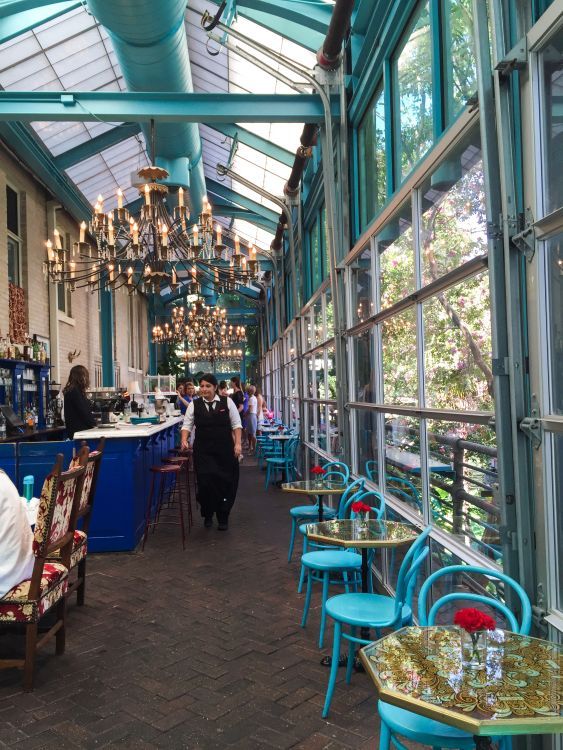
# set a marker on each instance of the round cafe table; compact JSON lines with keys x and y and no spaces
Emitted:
{"x":315,"y":488}
{"x":519,"y":690}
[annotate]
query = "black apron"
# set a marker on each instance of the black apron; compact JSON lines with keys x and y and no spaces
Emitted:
{"x":215,"y":463}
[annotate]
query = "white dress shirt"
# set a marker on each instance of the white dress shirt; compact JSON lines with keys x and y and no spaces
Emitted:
{"x":252,"y":405}
{"x":16,"y":537}
{"x":234,"y":416}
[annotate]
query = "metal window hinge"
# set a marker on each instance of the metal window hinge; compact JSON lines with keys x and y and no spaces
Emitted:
{"x":525,"y":240}
{"x":515,"y":59}
{"x":531,"y":426}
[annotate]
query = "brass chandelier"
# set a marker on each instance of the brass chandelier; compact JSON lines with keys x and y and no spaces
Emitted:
{"x":201,"y":325}
{"x":213,"y":355}
{"x":153,"y":251}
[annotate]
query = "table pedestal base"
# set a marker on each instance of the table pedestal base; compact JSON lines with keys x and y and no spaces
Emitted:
{"x":483,"y":743}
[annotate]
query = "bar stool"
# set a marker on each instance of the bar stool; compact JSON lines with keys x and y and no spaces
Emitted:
{"x":168,"y":473}
{"x":184,"y":462}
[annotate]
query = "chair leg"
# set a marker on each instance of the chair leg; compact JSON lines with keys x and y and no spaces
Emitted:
{"x":351,"y":656}
{"x":333,"y":668}
{"x":326,"y":577}
{"x":30,"y":650}
{"x":181,"y":511}
{"x":148,"y":515}
{"x":384,"y":737}
{"x":60,"y":635}
{"x":302,"y":573}
{"x":346,"y":582}
{"x":307,"y":603}
{"x":268,"y":467}
{"x":81,"y":590}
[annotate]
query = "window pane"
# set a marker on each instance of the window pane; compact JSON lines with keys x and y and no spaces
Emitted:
{"x":329,"y":314}
{"x":558,"y":485}
{"x":366,"y":440}
{"x":364,"y":357}
{"x":460,"y":71}
{"x":414,"y":88}
{"x":61,"y":298}
{"x":14,"y":261}
{"x":324,"y":245}
{"x":462,"y":464}
{"x":552,"y":60}
{"x":396,"y":257}
{"x":402,"y":460}
{"x":318,"y":318}
{"x":12,"y":218}
{"x":320,"y":390}
{"x":555,"y":325}
{"x":454,"y":224}
{"x":331,"y":372}
{"x":371,"y":160}
{"x":457,"y":347}
{"x":315,"y":257}
{"x":399,"y":359}
{"x":362,"y":288}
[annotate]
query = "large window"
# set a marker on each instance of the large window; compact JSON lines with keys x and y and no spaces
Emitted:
{"x":14,"y":238}
{"x":413,"y":71}
{"x":371,"y":160}
{"x":64,"y":294}
{"x":420,"y":421}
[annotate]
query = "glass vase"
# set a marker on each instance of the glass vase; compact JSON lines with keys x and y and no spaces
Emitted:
{"x":474,"y":649}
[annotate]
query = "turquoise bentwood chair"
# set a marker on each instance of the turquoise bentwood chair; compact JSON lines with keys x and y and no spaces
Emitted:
{"x":323,"y":564}
{"x":284,"y":463}
{"x":335,"y":471}
{"x":351,"y":494}
{"x":375,"y":611}
{"x":427,"y":731}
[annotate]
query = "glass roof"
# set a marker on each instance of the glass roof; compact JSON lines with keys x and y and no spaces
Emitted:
{"x":73,"y":52}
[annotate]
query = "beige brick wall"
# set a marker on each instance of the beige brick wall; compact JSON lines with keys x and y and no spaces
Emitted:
{"x":80,"y":332}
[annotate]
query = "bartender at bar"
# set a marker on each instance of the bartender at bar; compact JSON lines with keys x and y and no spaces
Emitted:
{"x":78,"y":410}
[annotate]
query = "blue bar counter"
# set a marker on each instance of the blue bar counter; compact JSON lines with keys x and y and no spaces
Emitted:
{"x":118,"y":518}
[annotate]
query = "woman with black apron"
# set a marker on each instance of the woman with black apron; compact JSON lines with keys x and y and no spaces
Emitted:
{"x":217,"y":448}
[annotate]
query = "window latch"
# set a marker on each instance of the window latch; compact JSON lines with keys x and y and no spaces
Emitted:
{"x":525,"y":240}
{"x":515,"y":59}
{"x":531,"y":426}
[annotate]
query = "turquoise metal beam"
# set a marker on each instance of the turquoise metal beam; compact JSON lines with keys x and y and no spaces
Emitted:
{"x":19,"y":22}
{"x":90,"y":106}
{"x":223,"y":209}
{"x":10,"y":7}
{"x":85,"y":150}
{"x":25,"y":144}
{"x":304,"y":23}
{"x":226,"y":193}
{"x":269,"y":148}
{"x":106,"y":326}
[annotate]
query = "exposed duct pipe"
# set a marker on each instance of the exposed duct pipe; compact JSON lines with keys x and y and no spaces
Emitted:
{"x":152,"y":48}
{"x":328,"y":58}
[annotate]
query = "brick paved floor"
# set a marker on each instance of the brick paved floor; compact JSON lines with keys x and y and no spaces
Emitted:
{"x":194,"y":649}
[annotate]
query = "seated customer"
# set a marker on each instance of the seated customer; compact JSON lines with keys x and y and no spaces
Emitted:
{"x":16,"y":537}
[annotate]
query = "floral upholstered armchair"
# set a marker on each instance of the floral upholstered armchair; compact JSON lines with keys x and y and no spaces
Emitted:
{"x":30,"y":599}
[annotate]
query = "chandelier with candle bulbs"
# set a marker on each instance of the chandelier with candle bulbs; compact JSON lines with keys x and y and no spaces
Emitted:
{"x":201,"y":325}
{"x":153,"y":252}
{"x":213,"y":355}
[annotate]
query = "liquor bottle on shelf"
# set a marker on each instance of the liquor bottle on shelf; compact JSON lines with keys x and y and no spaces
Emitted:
{"x":2,"y":426}
{"x":36,"y":348}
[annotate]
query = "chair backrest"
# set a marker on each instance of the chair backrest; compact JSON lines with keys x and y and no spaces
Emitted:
{"x":335,"y":476}
{"x":292,"y":448}
{"x":429,"y":617}
{"x":58,"y":508}
{"x":408,"y":572}
{"x":372,"y":471}
{"x":90,"y":481}
{"x":338,"y":466}
{"x":347,"y":497}
{"x":403,"y":489}
{"x":374,"y":499}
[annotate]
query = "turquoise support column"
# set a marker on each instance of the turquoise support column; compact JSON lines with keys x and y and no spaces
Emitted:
{"x":106,"y":325}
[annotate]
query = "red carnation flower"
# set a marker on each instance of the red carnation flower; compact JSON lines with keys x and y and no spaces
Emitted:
{"x":359,"y":507}
{"x":473,"y":620}
{"x":318,"y":470}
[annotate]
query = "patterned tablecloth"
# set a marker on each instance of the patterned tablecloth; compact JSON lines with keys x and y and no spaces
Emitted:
{"x":519,"y":690}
